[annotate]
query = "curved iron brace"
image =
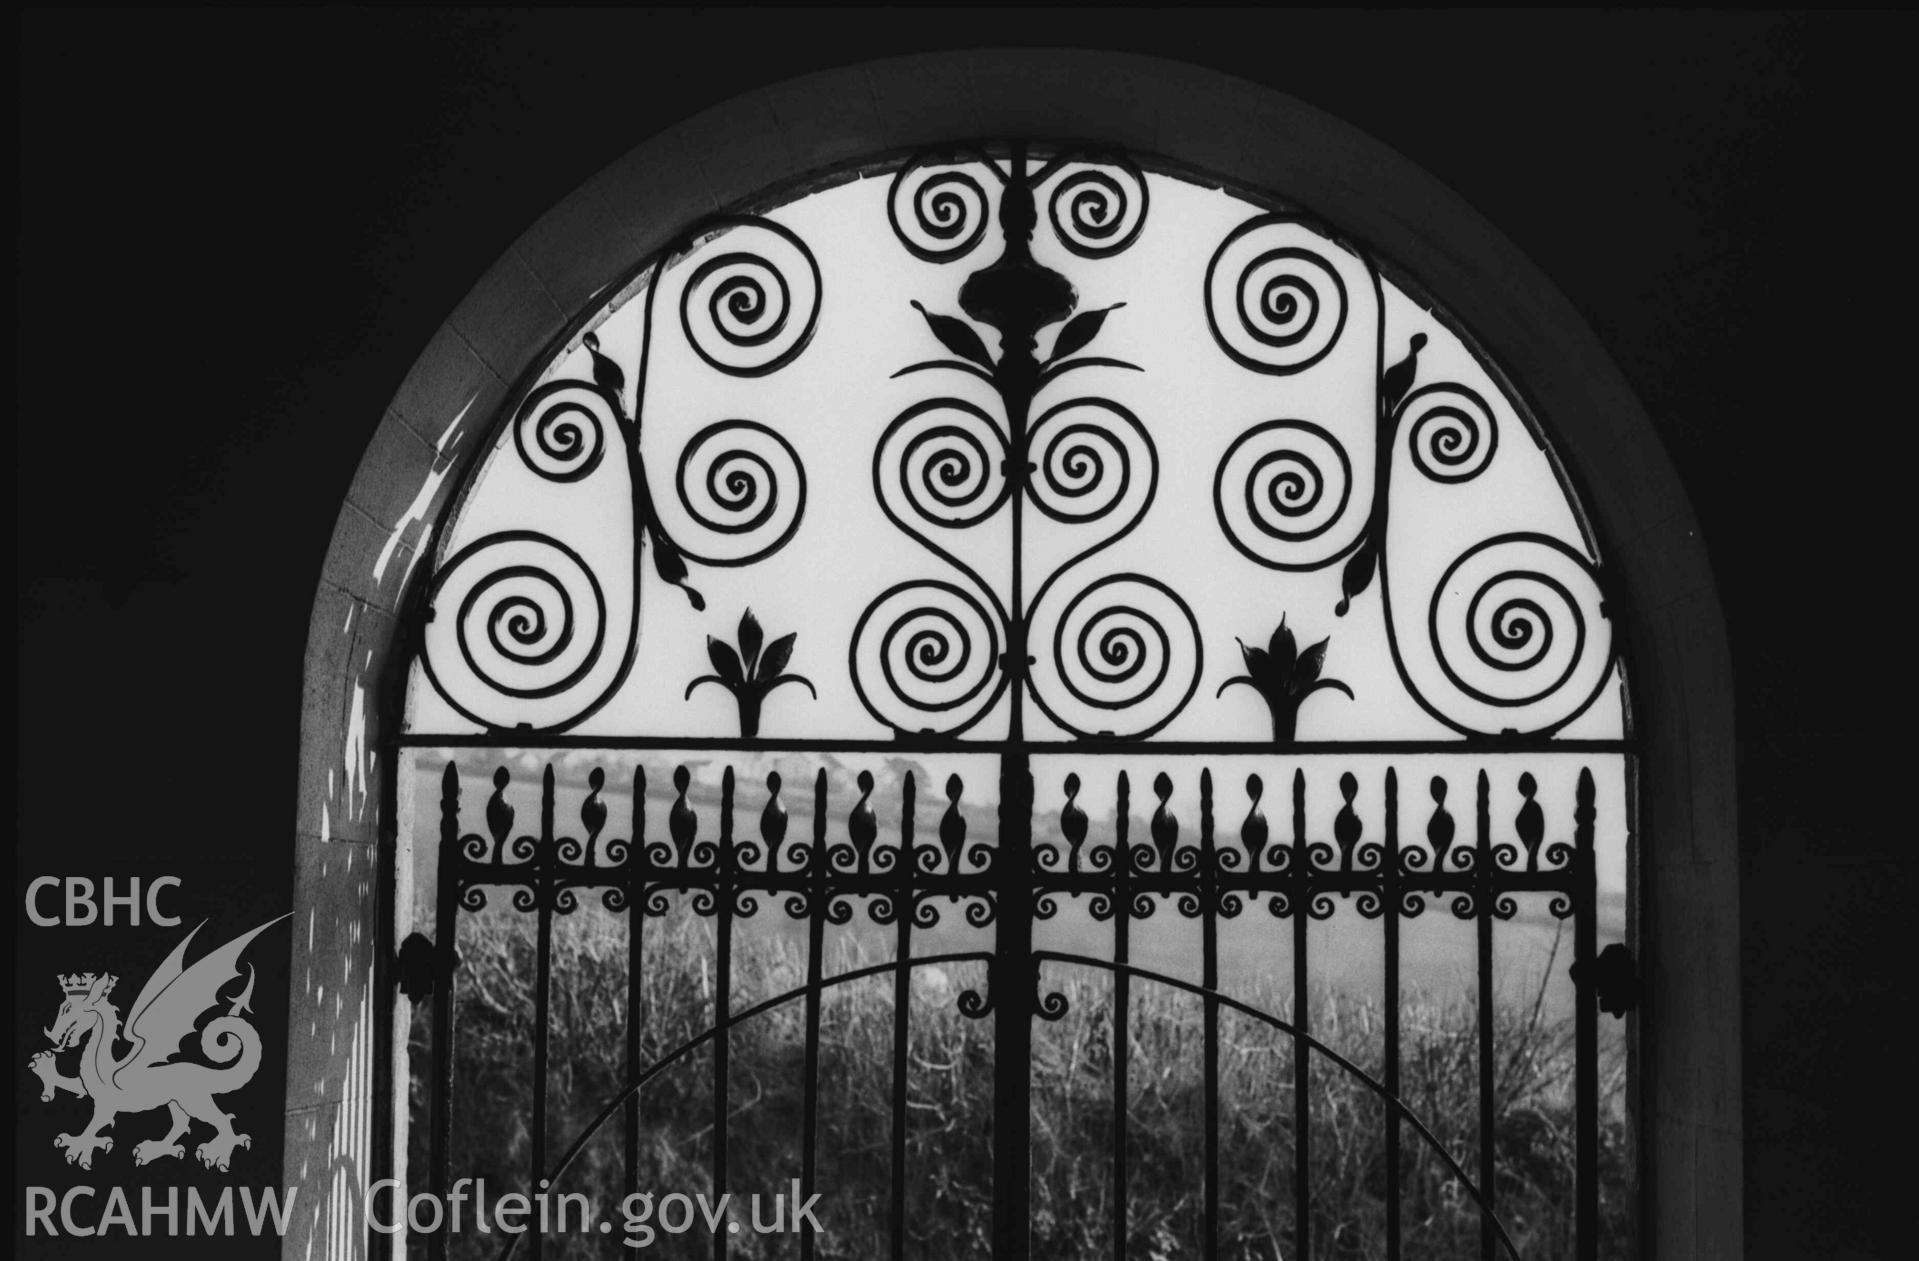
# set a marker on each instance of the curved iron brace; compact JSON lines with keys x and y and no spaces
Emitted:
{"x":667,"y":1061}
{"x":1039,"y":956}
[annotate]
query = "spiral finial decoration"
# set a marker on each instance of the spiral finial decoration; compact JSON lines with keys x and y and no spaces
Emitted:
{"x":517,"y":616}
{"x":1284,"y":496}
{"x":925,"y":657}
{"x":1450,"y":432}
{"x":1274,"y":297}
{"x":943,"y":462}
{"x":743,"y":489}
{"x":561,"y":430}
{"x":1125,"y":659}
{"x":1519,"y":628}
{"x":1090,"y":454}
{"x":939,"y":212}
{"x":1098,"y":210}
{"x":752,"y":303}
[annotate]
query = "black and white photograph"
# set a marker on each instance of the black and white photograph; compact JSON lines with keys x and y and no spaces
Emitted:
{"x":961,"y":634}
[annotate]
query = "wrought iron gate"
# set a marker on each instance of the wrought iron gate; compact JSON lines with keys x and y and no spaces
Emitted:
{"x":1209,"y":868}
{"x":1500,"y":635}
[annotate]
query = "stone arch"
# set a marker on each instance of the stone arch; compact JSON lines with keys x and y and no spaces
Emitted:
{"x":342,"y":1055}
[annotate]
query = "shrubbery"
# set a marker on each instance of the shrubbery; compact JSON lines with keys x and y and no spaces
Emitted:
{"x":950,"y":1108}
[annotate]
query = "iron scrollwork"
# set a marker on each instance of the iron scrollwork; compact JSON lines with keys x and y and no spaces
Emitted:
{"x":1198,"y":872}
{"x":815,"y":876}
{"x":520,"y":614}
{"x":527,"y":615}
{"x":1514,"y":636}
{"x":1507,"y":635}
{"x":1506,"y":632}
{"x":926,"y":656}
{"x":1304,"y":874}
{"x":1275,"y":298}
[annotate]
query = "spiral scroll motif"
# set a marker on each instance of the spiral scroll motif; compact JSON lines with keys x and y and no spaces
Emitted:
{"x":925,"y":657}
{"x":1450,"y":432}
{"x":1126,"y":649}
{"x":1088,"y":453}
{"x":743,"y":485}
{"x":561,"y":431}
{"x":938,"y":212}
{"x":516,"y":616}
{"x":1518,"y":623}
{"x":1275,"y":302}
{"x":1281,"y":490}
{"x":751,"y":308}
{"x":1097,"y":211}
{"x":943,"y":461}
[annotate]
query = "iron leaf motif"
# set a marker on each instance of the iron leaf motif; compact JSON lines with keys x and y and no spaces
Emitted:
{"x":957,"y":336}
{"x":1080,"y":331}
{"x":750,"y":672}
{"x":1285,"y":677}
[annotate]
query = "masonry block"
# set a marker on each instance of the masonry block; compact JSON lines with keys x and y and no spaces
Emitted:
{"x":330,"y":638}
{"x":655,"y":191}
{"x":1060,"y":94}
{"x":921,"y":100}
{"x":335,"y":931}
{"x":366,"y":559}
{"x":448,"y":382}
{"x":1188,"y":124}
{"x":826,"y":120}
{"x":397,"y":464}
{"x":738,"y":148}
{"x":328,"y":1218}
{"x":578,"y":247}
{"x":508,"y":318}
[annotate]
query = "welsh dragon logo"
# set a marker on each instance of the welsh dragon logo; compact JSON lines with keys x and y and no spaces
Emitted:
{"x":170,"y":1004}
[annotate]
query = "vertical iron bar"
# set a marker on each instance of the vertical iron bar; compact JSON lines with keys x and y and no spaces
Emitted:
{"x":1013,"y":976}
{"x":902,"y":1000}
{"x":1302,"y":1019}
{"x":1122,"y":996}
{"x":446,"y":932}
{"x":633,"y":874}
{"x":1639,"y":910}
{"x":1016,"y":378}
{"x":722,"y":996}
{"x":815,"y":945}
{"x":1586,"y":1028}
{"x":1014,"y":981}
{"x":544,"y":891}
{"x":1484,"y":863}
{"x":385,"y":1100}
{"x":1209,"y":951}
{"x":1389,"y":879}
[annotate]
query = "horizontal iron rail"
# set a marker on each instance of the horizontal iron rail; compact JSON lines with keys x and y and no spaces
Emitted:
{"x":926,"y":886}
{"x":528,"y":739}
{"x":646,"y":869}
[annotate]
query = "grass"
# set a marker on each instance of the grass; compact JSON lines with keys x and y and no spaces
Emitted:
{"x":949,"y":1114}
